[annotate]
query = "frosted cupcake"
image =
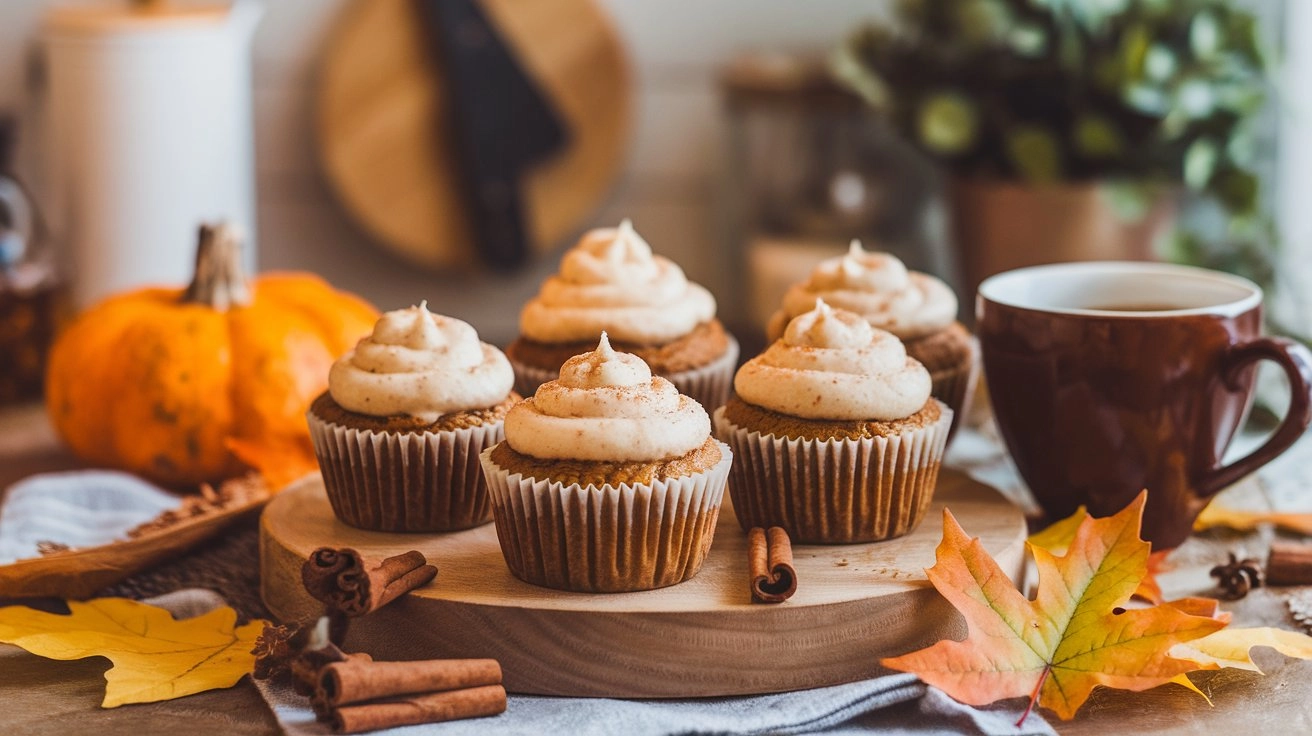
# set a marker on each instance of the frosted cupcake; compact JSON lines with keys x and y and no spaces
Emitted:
{"x":920,"y":309}
{"x":406,"y":414}
{"x":837,"y":437}
{"x":611,"y":282}
{"x":608,"y":481}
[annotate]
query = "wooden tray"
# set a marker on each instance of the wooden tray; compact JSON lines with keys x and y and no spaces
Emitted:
{"x":854,"y":604}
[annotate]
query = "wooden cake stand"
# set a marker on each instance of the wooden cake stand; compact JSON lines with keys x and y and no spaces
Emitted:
{"x":854,"y":604}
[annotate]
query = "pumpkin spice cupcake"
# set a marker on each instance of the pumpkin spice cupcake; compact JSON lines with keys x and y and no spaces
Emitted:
{"x":920,"y":309}
{"x":837,"y":436}
{"x":612,"y":282}
{"x":608,"y":481}
{"x":406,"y":414}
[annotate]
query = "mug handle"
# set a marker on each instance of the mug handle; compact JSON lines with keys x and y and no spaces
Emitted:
{"x":1296,"y":360}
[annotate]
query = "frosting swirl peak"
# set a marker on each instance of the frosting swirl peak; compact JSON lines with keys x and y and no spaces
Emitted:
{"x":607,"y":406}
{"x":831,"y":364}
{"x":422,"y":365}
{"x":876,"y":286}
{"x":612,"y":282}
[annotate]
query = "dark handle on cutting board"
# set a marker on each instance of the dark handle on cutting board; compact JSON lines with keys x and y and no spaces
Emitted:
{"x":501,"y":123}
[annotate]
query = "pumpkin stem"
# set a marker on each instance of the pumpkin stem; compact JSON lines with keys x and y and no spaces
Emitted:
{"x":219,"y":282}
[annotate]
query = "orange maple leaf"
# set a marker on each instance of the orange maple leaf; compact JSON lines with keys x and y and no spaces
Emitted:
{"x":1073,"y":637}
{"x":1057,"y":538}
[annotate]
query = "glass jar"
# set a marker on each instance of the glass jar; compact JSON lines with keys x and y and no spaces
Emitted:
{"x":30,"y":290}
{"x":810,"y":168}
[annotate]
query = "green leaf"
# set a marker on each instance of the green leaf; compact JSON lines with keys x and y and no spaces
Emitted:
{"x":1097,"y":137}
{"x":1159,"y":63}
{"x":846,"y":66}
{"x":1130,"y":200}
{"x":981,"y":21}
{"x":1204,"y":35}
{"x":1147,"y":99}
{"x":1195,"y":98}
{"x":946,"y":123}
{"x":1134,"y":49}
{"x":1237,"y":190}
{"x":1199,"y":163}
{"x":1035,"y":154}
{"x":1028,"y":40}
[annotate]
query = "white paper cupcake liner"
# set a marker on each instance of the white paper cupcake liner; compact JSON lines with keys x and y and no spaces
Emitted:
{"x":709,"y":384}
{"x":405,"y":481}
{"x":836,"y":491}
{"x":606,"y":539}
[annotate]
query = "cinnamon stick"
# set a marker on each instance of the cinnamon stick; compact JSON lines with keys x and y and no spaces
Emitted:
{"x":353,"y":681}
{"x":318,"y":649}
{"x":342,"y":579}
{"x":474,"y":702}
{"x":1290,"y":563}
{"x":770,"y":562}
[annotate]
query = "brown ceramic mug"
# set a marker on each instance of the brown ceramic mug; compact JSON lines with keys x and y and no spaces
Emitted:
{"x":1107,"y":378}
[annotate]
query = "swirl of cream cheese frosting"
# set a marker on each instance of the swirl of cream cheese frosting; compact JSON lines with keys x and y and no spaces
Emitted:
{"x":831,"y":364}
{"x":876,"y":286}
{"x":607,"y":406}
{"x":611,"y":281}
{"x":422,"y":365}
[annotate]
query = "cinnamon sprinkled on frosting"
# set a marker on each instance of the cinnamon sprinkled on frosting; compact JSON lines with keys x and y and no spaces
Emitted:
{"x":878,"y":287}
{"x":612,"y":282}
{"x":422,"y":365}
{"x":831,"y":364}
{"x":607,"y":406}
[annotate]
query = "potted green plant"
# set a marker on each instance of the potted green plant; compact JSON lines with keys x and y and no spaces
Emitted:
{"x":1069,"y":127}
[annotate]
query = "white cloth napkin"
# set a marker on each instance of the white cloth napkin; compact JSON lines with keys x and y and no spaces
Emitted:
{"x":81,"y":508}
{"x":896,"y":704}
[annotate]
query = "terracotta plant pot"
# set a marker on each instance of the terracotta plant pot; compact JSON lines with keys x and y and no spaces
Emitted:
{"x":998,"y":226}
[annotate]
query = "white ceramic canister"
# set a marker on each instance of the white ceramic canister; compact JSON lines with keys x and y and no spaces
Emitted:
{"x":150,"y":135}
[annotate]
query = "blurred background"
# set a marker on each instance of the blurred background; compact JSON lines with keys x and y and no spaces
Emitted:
{"x":449,"y":151}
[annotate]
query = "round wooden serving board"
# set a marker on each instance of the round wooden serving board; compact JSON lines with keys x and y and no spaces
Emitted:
{"x":854,"y":605}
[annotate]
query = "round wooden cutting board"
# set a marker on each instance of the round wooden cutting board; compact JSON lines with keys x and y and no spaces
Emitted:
{"x":854,"y":605}
{"x":385,"y":142}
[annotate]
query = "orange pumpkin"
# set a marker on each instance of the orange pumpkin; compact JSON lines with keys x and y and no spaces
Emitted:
{"x":186,"y":386}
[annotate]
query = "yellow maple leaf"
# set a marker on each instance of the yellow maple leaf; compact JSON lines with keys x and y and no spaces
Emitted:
{"x":1230,"y":647}
{"x":155,"y":657}
{"x":1073,"y":637}
{"x":1216,"y":515}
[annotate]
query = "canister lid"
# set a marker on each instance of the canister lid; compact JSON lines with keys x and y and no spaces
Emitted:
{"x":88,"y":17}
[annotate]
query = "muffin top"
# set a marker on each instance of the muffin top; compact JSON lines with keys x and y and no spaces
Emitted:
{"x":422,"y":365}
{"x":831,"y":364}
{"x":607,"y":406}
{"x":876,"y":286}
{"x":611,"y":282}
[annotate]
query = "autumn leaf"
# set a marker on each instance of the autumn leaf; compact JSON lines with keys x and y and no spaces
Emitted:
{"x":1057,"y":538}
{"x":1230,"y":647}
{"x":1215,"y":515}
{"x":155,"y":657}
{"x":1074,"y":636}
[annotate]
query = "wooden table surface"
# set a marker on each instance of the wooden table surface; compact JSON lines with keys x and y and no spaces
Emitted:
{"x":49,"y":697}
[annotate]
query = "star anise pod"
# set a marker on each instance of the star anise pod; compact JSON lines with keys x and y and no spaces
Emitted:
{"x":1237,"y":577}
{"x":273,"y":651}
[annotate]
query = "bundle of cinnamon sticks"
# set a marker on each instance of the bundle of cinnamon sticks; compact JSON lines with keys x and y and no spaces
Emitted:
{"x":343,"y":580}
{"x":360,"y":695}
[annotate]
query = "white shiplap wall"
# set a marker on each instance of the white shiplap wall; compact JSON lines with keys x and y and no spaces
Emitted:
{"x":668,"y":186}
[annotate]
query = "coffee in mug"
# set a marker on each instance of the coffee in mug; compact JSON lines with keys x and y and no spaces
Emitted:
{"x":1108,"y":378}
